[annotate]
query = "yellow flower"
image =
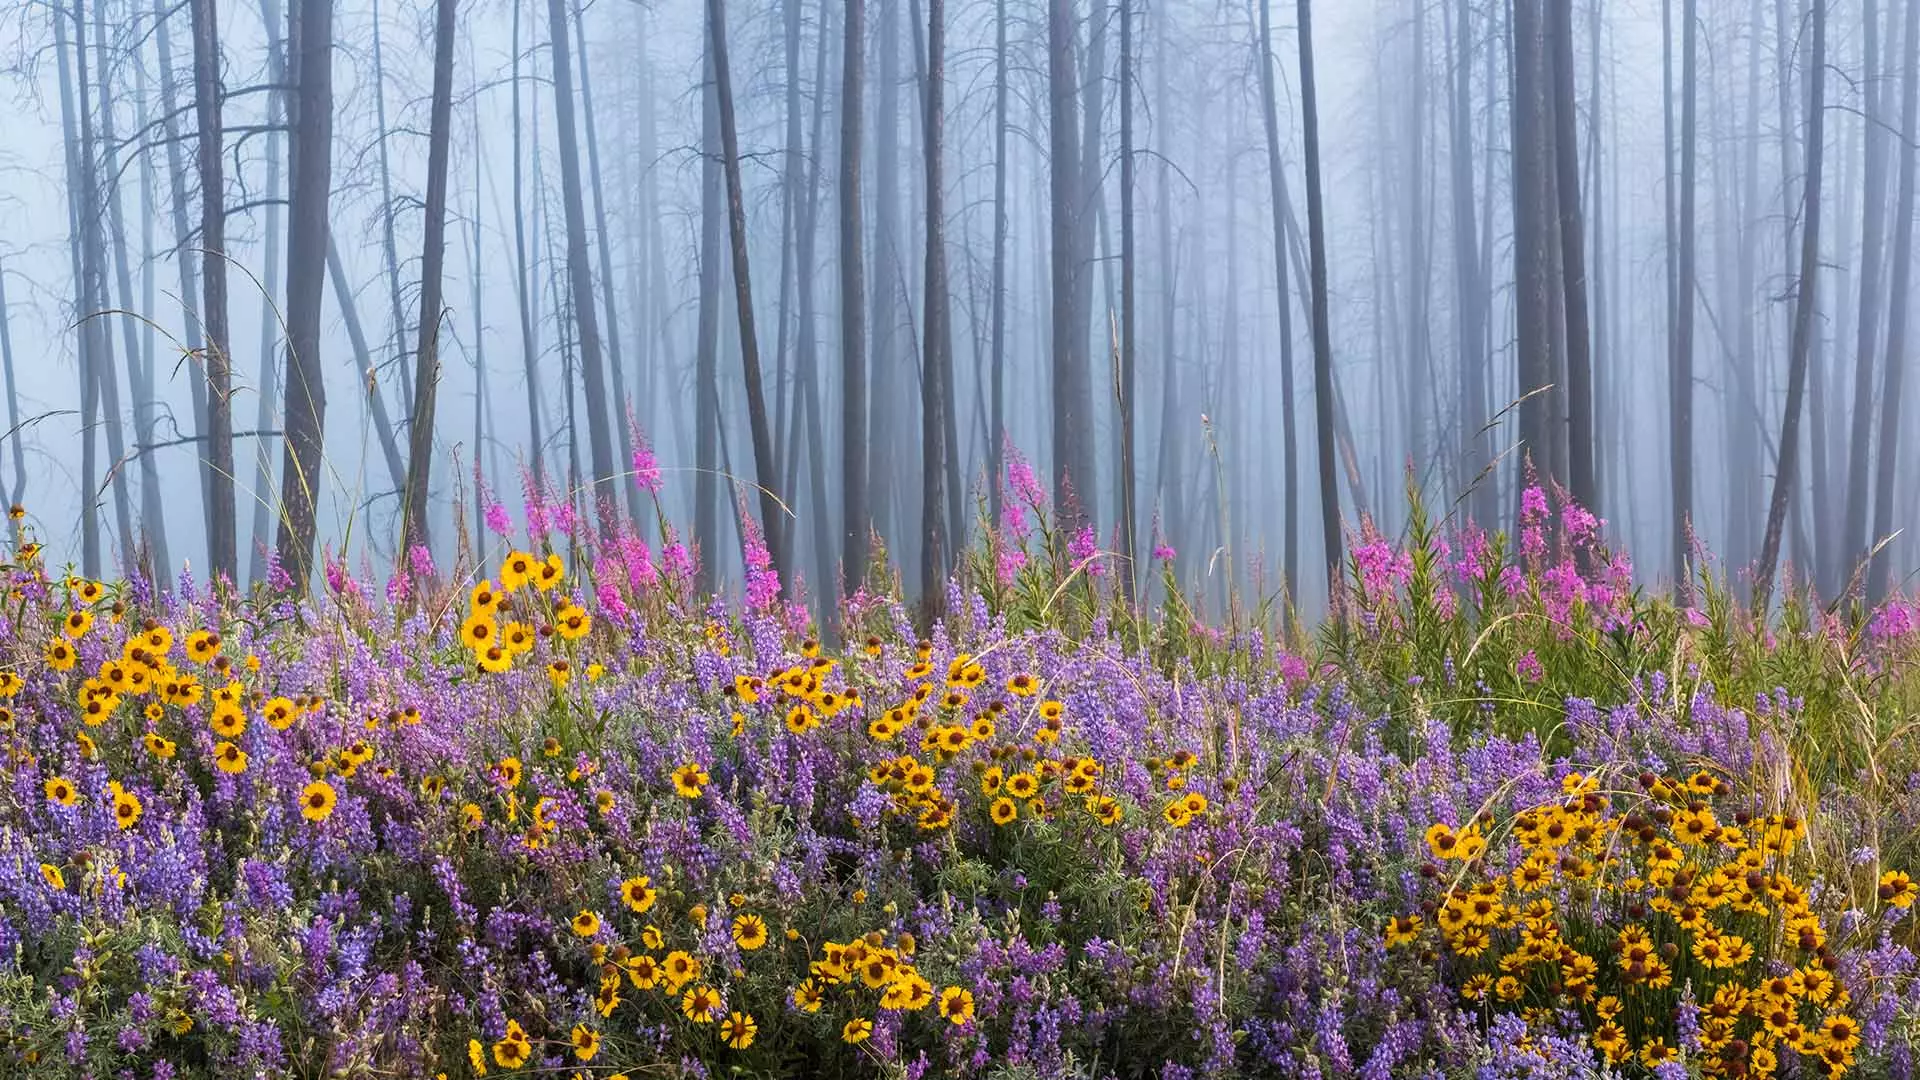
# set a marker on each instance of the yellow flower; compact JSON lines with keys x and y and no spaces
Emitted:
{"x":956,"y":1004}
{"x":738,"y":1029}
{"x":550,"y":573}
{"x":1004,"y":811}
{"x":586,"y":924}
{"x":516,"y":570}
{"x":514,"y":1049}
{"x":586,"y":1041}
{"x":77,"y":624}
{"x":60,"y":790}
{"x":856,"y":1030}
{"x":317,"y":800}
{"x":157,"y":746}
{"x":229,"y":758}
{"x":807,"y":997}
{"x":638,"y":894}
{"x":494,"y":659}
{"x":477,"y":1057}
{"x":279,"y":714}
{"x":1897,"y":888}
{"x":54,"y":878}
{"x":572,"y":622}
{"x":688,"y":779}
{"x":60,"y":655}
{"x":1402,"y":930}
{"x":126,"y":807}
{"x":749,"y":932}
{"x":700,"y":1003}
{"x":681,"y":968}
{"x":1695,"y":827}
{"x":558,"y":672}
{"x":1023,"y":685}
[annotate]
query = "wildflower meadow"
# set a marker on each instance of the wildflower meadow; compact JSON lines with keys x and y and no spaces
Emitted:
{"x":550,"y":812}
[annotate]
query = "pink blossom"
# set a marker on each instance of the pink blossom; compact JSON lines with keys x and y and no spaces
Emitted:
{"x":420,"y":562}
{"x":646,"y":471}
{"x":1007,"y":564}
{"x":1084,"y":549}
{"x":1533,"y":543}
{"x":1533,"y":503}
{"x":1529,"y":667}
{"x":1163,"y":551}
{"x":763,"y":581}
{"x":1023,"y":481}
{"x":1579,"y":524}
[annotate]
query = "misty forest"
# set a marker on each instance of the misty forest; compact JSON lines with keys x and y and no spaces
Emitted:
{"x":287,"y":280}
{"x":974,"y":539}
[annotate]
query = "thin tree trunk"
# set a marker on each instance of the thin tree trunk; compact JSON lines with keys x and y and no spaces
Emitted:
{"x":1873,"y":225}
{"x":1680,"y":422}
{"x":189,"y":292}
{"x":1072,"y":394}
{"x":1573,"y":280}
{"x":1470,"y":305}
{"x":19,"y":491}
{"x":363,"y":363}
{"x":933,"y":376}
{"x":766,"y":467}
{"x":397,"y":329}
{"x":1783,"y":480}
{"x":579,"y":271}
{"x":208,"y":94}
{"x":1533,"y":177}
{"x":997,"y":435}
{"x":707,"y":343}
{"x":301,"y":475}
{"x":855,"y":528}
{"x":269,"y":388}
{"x":529,"y":345}
{"x":426,"y":373}
{"x":1883,"y":495}
{"x":153,"y":522}
{"x":1322,"y":333}
{"x":1129,"y":322}
{"x":616,"y":365}
{"x":1277,"y":186}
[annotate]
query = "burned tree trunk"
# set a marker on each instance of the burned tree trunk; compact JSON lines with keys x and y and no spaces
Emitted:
{"x":301,"y":474}
{"x":853,"y":325}
{"x":1323,"y":388}
{"x":221,"y":529}
{"x":1897,"y":315}
{"x":426,"y":371}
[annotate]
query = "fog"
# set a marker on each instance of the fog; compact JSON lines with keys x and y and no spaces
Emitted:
{"x":1633,"y":246}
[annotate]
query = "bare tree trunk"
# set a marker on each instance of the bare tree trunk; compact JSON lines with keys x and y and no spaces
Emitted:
{"x":616,"y":365}
{"x":19,"y":491}
{"x":1533,"y":175}
{"x":1418,"y":351}
{"x":1783,"y":480}
{"x":1680,"y":386}
{"x":934,"y":376}
{"x":221,"y":531}
{"x":579,"y":271}
{"x":1072,"y":394}
{"x":189,"y":297}
{"x":301,"y":474}
{"x":808,"y":363}
{"x":766,"y":466}
{"x":1129,"y":322}
{"x":1470,"y":305}
{"x":397,"y":329}
{"x":363,"y":364}
{"x":1573,"y":257}
{"x":707,"y":342}
{"x":1897,"y":314}
{"x":855,"y":527}
{"x":1277,"y":187}
{"x":529,"y":345}
{"x":1873,"y":225}
{"x":153,"y":522}
{"x":997,"y":434}
{"x":426,"y":372}
{"x":1323,"y":388}
{"x":269,"y":389}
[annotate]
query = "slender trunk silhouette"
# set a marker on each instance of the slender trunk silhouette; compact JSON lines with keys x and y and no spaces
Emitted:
{"x":426,"y":371}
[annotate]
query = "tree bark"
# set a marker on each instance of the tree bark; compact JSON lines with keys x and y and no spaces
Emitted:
{"x":268,"y":390}
{"x":934,"y":374}
{"x":1323,"y":388}
{"x":301,"y":475}
{"x":853,"y":327}
{"x":1897,"y":314}
{"x":766,"y":466}
{"x":707,"y":342}
{"x":184,"y":264}
{"x":1873,"y":226}
{"x":529,"y":343}
{"x":221,"y":531}
{"x":1072,"y":393}
{"x":997,"y":428}
{"x":1783,"y":480}
{"x":579,"y":270}
{"x":426,"y":371}
{"x":616,"y":364}
{"x":1277,"y":187}
{"x":1533,"y":233}
{"x":1573,"y":281}
{"x":1680,"y":387}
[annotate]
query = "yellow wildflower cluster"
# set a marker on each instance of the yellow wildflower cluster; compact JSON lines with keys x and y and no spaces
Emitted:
{"x":866,"y":974}
{"x":1624,"y":918}
{"x":495,"y":634}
